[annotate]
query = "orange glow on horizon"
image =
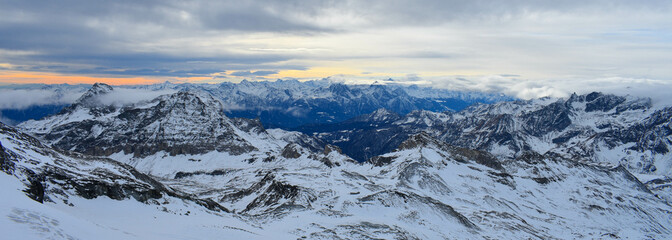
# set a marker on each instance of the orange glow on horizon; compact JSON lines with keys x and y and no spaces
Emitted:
{"x":317,"y":72}
{"x":18,"y":77}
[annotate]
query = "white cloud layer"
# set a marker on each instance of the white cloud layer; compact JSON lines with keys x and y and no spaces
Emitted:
{"x":658,"y":90}
{"x":24,"y":98}
{"x":124,"y":96}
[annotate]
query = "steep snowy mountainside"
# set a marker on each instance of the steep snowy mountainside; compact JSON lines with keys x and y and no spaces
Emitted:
{"x":186,"y":122}
{"x":287,"y":185}
{"x":591,"y":126}
{"x":596,"y":126}
{"x":532,"y":196}
{"x":53,"y":176}
{"x":427,"y":189}
{"x":602,"y":128}
{"x":48,"y":194}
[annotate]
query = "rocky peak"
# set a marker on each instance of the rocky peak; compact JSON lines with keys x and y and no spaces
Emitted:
{"x":90,"y":100}
{"x":188,"y":102}
{"x":291,"y":151}
{"x":245,"y":82}
{"x":339,"y":89}
{"x":602,"y":102}
{"x":96,"y":90}
{"x":552,"y":117}
{"x":378,"y":89}
{"x":592,"y":96}
{"x":186,"y":122}
{"x":327,"y":149}
{"x":597,"y":101}
{"x":100,"y":88}
{"x":422,"y":139}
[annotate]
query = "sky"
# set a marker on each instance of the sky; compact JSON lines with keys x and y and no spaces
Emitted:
{"x":523,"y":48}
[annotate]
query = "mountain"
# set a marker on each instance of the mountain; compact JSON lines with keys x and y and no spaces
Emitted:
{"x":180,"y":123}
{"x":284,"y":103}
{"x":361,"y":137}
{"x":52,"y":194}
{"x":290,"y":104}
{"x":595,"y":127}
{"x":182,"y":169}
{"x":425,"y":189}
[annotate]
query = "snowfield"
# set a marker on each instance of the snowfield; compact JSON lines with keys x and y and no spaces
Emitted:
{"x":176,"y":167}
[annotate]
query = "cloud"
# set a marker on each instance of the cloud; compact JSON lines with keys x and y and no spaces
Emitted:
{"x":253,"y":74}
{"x":657,"y":90}
{"x":297,"y":111}
{"x":37,"y":95}
{"x":24,"y":98}
{"x":124,"y":96}
{"x":536,"y":40}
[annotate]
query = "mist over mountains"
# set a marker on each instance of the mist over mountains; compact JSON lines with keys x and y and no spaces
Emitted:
{"x":283,"y":103}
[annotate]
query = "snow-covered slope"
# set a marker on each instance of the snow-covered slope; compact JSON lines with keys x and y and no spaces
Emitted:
{"x":286,"y":185}
{"x":184,"y":122}
{"x":596,"y":127}
{"x":423,"y":190}
{"x":533,"y":196}
{"x":47,"y":194}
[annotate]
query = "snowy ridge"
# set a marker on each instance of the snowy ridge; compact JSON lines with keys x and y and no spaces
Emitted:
{"x":79,"y":196}
{"x":221,"y":175}
{"x":598,"y":128}
{"x":183,"y":122}
{"x":290,"y":103}
{"x":424,"y":190}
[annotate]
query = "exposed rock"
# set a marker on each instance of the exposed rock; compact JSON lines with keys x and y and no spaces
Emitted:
{"x":380,"y":161}
{"x":291,"y":151}
{"x":331,"y":148}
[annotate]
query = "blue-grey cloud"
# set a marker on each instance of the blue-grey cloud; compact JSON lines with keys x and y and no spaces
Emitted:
{"x":253,"y":73}
{"x":176,"y":38}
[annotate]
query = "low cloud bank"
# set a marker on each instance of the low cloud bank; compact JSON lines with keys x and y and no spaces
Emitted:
{"x":657,"y":90}
{"x":124,"y":96}
{"x":24,"y":98}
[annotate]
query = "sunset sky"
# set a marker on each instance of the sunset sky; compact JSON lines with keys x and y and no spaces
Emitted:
{"x":522,"y":48}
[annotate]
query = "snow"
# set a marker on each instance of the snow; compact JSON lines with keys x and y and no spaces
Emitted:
{"x":104,"y":218}
{"x":430,"y":192}
{"x":23,"y":218}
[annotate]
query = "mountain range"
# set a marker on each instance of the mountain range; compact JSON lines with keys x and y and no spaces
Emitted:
{"x":280,"y":104}
{"x":180,"y":165}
